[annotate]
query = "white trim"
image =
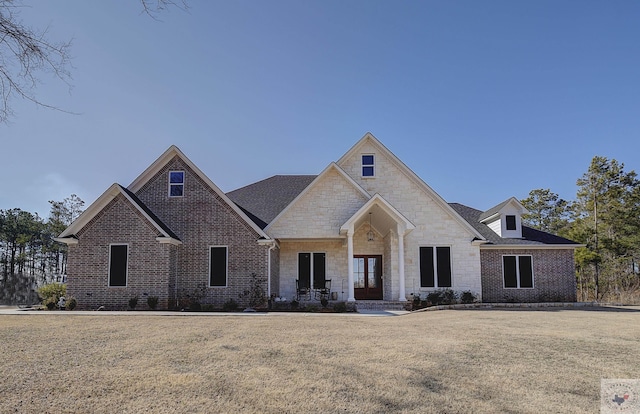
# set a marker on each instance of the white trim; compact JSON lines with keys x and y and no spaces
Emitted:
{"x":412,"y":176}
{"x":66,"y":240}
{"x":167,"y":156}
{"x":126,"y":275}
{"x":531,"y":246}
{"x":518,"y":256}
{"x":226,"y":272}
{"x":331,"y":166}
{"x":170,"y":184}
{"x":363,"y":165}
{"x":435,"y":265}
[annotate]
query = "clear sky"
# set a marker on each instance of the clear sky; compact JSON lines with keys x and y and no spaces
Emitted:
{"x":484,"y":100}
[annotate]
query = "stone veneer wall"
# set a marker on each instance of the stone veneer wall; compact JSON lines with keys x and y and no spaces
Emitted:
{"x":201,"y":218}
{"x":148,"y":261}
{"x":554,"y":277}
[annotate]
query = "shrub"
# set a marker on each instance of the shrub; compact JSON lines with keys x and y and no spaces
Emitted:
{"x":195,"y":305}
{"x":50,"y":303}
{"x":256,"y":294}
{"x":467,"y":297}
{"x":72,"y":303}
{"x":442,"y":297}
{"x":324,"y":302}
{"x":340,"y":307}
{"x":294,"y":304}
{"x":152,"y":302}
{"x":133,"y":302}
{"x":311,"y":308}
{"x":52,"y":293}
{"x":230,"y":306}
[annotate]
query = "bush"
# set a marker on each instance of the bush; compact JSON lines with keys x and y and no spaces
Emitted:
{"x":52,"y":293}
{"x":133,"y":302}
{"x":294,"y":304}
{"x":340,"y":307}
{"x":195,"y":306}
{"x":324,"y":302}
{"x":152,"y":302}
{"x":50,"y":303}
{"x":72,"y":303}
{"x":230,"y":306}
{"x":442,"y":297}
{"x":467,"y":297}
{"x":256,"y":294}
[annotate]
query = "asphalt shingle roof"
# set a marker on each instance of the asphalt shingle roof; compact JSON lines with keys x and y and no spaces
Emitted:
{"x":150,"y":213}
{"x":264,"y":200}
{"x":530,"y":236}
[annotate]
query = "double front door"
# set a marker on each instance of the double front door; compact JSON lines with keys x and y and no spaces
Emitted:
{"x":367,"y":277}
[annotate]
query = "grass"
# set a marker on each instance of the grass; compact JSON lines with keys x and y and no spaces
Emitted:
{"x":454,"y":361}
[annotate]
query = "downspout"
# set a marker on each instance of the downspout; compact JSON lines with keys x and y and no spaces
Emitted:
{"x":271,"y":247}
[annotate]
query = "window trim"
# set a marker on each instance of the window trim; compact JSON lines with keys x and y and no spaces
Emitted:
{"x":436,"y":277}
{"x":311,"y":266}
{"x":372,"y":165}
{"x":176,"y":184}
{"x":126,"y":271}
{"x":226,"y":270}
{"x":517,"y":256}
{"x":507,"y":220}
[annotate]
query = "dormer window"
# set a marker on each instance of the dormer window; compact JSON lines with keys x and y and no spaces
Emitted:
{"x":368,"y":165}
{"x":511,"y":222}
{"x":176,"y":183}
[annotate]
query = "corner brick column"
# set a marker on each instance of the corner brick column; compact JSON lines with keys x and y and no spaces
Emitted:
{"x":401,"y":287}
{"x":350,"y":289}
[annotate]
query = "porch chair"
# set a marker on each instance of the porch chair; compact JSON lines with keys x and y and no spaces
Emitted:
{"x":324,"y":291}
{"x":302,"y":291}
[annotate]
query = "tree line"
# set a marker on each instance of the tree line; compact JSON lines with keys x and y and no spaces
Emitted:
{"x":29,"y":255}
{"x":605,"y":217}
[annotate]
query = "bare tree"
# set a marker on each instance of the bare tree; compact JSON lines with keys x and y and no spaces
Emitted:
{"x":26,"y":54}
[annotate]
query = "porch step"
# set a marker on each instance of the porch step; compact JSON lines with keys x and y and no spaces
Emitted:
{"x":381,"y":305}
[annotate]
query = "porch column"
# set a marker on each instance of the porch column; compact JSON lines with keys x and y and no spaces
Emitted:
{"x":402,"y":295}
{"x":350,"y":289}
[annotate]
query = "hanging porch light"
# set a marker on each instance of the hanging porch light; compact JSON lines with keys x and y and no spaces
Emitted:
{"x":370,"y":234}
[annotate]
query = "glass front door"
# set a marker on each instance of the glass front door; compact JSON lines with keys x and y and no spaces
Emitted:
{"x":367,"y":277}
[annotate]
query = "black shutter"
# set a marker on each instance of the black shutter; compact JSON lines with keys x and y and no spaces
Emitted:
{"x":443,"y":255}
{"x":426,"y":267}
{"x":319,"y":270}
{"x":118,"y":265}
{"x":304,"y":270}
{"x":510,"y":275}
{"x":526,"y":272}
{"x":218,"y":266}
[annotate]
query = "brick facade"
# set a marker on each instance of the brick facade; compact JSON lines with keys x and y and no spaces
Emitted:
{"x":553,"y":276}
{"x":175,"y":273}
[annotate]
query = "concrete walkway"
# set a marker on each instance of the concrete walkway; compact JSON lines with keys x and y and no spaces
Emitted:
{"x":14,"y":310}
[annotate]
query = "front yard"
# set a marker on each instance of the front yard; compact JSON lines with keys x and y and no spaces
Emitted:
{"x":453,"y":361}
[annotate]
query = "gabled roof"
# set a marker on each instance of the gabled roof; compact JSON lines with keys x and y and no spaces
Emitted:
{"x":389,"y":210}
{"x":330,"y":167}
{"x":69,"y":234}
{"x":493,"y":211}
{"x":369,"y":138}
{"x":264,"y":200}
{"x":530,"y":236}
{"x":167,"y":156}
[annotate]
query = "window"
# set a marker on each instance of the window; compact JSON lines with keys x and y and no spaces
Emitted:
{"x":435,"y":267}
{"x":176,"y":183}
{"x":118,"y":257}
{"x":511,"y":222}
{"x":368,"y":166}
{"x":518,"y":271}
{"x":312,"y":266}
{"x":218,"y":266}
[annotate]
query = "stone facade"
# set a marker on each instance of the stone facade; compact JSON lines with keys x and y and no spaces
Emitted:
{"x":553,"y":276}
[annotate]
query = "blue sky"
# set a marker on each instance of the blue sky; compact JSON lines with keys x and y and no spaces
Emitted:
{"x":484,"y":100}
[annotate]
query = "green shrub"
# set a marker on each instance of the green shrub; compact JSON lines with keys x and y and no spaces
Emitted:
{"x":324,"y":302}
{"x":50,"y":303}
{"x":52,"y":293}
{"x":442,"y":297}
{"x":294,"y":304}
{"x":467,"y":297}
{"x":152,"y":302}
{"x":72,"y":303}
{"x":230,"y":306}
{"x":311,"y":308}
{"x":133,"y":302}
{"x":195,"y":306}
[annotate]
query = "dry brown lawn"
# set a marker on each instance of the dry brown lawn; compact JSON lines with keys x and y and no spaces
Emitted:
{"x":454,"y":361}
